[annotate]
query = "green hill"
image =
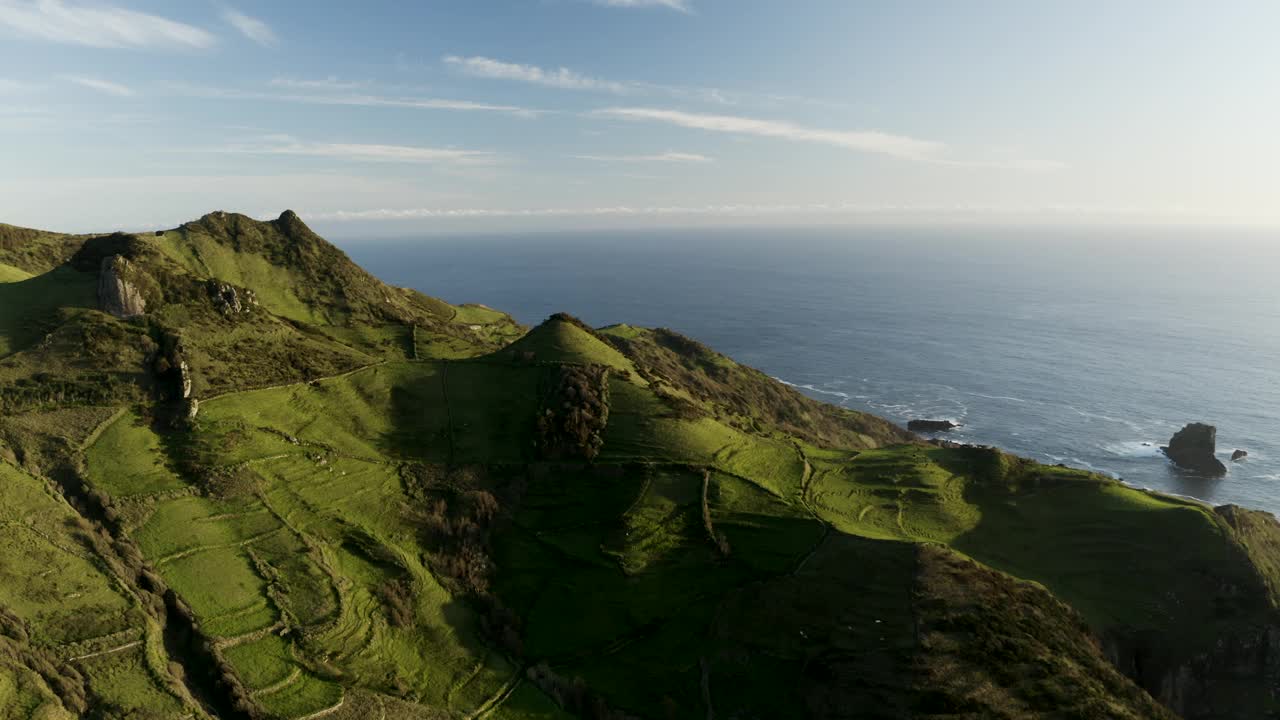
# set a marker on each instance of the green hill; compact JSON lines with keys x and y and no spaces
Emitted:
{"x":268,"y":485}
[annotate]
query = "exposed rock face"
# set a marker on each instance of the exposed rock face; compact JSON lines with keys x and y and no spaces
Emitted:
{"x":230,"y":300}
{"x":1239,"y":455}
{"x":1192,"y":448}
{"x":184,"y":378}
{"x":116,"y":295}
{"x":930,"y":426}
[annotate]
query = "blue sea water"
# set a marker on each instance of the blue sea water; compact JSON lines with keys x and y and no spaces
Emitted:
{"x":1084,"y":346}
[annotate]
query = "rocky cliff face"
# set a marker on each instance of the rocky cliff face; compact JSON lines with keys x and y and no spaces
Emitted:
{"x":116,"y":294}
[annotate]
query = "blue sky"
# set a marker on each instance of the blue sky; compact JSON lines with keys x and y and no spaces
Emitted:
{"x":395,"y":118}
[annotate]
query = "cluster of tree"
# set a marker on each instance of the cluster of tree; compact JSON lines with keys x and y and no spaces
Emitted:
{"x":573,"y":420}
{"x":458,"y":512}
{"x":43,"y":390}
{"x":573,"y":694}
{"x":63,"y":679}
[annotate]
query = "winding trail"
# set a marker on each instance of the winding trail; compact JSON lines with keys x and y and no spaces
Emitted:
{"x":805,"y":479}
{"x":498,"y":698}
{"x":109,"y":651}
{"x":205,"y":548}
{"x":281,"y":685}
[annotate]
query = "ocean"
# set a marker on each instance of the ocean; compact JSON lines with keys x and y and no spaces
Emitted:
{"x":1083,"y":346}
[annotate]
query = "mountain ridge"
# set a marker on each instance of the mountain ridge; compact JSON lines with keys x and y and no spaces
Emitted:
{"x":299,"y":490}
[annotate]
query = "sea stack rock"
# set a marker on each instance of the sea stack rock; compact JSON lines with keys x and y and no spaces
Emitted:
{"x":116,"y":295}
{"x":931,"y":426}
{"x":1239,"y":455}
{"x":1192,"y":448}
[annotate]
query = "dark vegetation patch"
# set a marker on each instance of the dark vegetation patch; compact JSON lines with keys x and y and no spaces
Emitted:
{"x":575,"y":414}
{"x":457,"y":509}
{"x":995,"y":647}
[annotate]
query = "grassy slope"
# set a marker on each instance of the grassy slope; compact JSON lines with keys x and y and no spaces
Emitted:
{"x":736,"y":543}
{"x":30,"y":308}
{"x":9,"y":273}
{"x":683,"y":369}
{"x":70,"y":606}
{"x":35,"y":252}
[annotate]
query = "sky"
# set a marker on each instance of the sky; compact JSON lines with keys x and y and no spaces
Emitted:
{"x":392,"y":118}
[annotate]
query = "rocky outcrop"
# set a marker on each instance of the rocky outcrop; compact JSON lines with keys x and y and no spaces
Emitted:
{"x":230,"y":300}
{"x":117,"y":295}
{"x":1192,"y":448}
{"x":1239,"y":455}
{"x":931,"y":426}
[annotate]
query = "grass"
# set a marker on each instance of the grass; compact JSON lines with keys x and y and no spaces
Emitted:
{"x":618,"y":580}
{"x":50,"y":578}
{"x":127,"y":460}
{"x":203,"y":255}
{"x":306,"y":696}
{"x":262,"y":663}
{"x":562,"y":339}
{"x":124,"y":680}
{"x":787,"y":554}
{"x":10,"y":274}
{"x":30,"y":308}
{"x":236,"y":604}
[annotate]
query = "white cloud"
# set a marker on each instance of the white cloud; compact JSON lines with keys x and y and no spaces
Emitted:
{"x":559,"y":78}
{"x":354,"y":99}
{"x":359,"y":152}
{"x":948,"y":213}
{"x":666,"y":157}
{"x":103,"y":26}
{"x":681,"y":5}
{"x":250,"y":27}
{"x":11,"y":86}
{"x":103,"y":86}
{"x":863,"y":140}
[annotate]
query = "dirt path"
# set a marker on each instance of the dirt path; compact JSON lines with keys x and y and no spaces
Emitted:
{"x":205,"y":548}
{"x":280,"y":386}
{"x":108,"y":651}
{"x":277,"y":687}
{"x":498,"y":698}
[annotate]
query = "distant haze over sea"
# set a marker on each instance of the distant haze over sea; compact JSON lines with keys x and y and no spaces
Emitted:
{"x":1084,"y":346}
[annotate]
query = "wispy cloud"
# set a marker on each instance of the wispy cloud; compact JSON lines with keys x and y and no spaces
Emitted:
{"x":729,"y":209}
{"x":103,"y":26}
{"x":682,"y":5}
{"x":862,"y":140}
{"x":570,"y":79}
{"x":360,"y":152}
{"x":353,"y":99}
{"x":331,"y":83}
{"x":10,"y":86}
{"x":251,"y":27}
{"x":851,"y":210}
{"x":103,"y":86}
{"x":666,"y":157}
{"x":559,"y":78}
